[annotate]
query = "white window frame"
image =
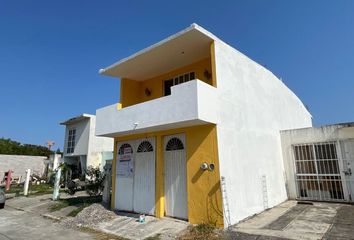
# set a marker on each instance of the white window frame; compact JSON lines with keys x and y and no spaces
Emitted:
{"x":179,"y":79}
{"x":70,"y":146}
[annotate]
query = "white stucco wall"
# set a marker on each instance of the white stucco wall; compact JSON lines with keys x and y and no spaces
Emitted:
{"x":81,"y":138}
{"x":253,"y":105}
{"x":189,"y":104}
{"x":97,"y":145}
{"x":309,"y":135}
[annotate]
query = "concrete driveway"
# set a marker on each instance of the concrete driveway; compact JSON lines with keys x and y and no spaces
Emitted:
{"x":20,"y":225}
{"x":291,"y":220}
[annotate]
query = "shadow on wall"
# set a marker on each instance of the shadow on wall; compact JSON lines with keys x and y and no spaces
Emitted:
{"x":213,"y":203}
{"x":204,"y":185}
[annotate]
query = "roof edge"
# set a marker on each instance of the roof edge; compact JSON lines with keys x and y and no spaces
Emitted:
{"x":76,"y":118}
{"x":193,"y":26}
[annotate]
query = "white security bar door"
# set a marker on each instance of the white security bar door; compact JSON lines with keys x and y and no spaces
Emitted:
{"x":175,"y":176}
{"x":124,"y":176}
{"x":318,"y":172}
{"x":144,"y":177}
{"x":347,"y":147}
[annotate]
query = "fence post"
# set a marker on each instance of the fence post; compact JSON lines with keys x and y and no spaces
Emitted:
{"x":25,"y":187}
{"x":106,"y":195}
{"x":57,"y":184}
{"x":8,"y":180}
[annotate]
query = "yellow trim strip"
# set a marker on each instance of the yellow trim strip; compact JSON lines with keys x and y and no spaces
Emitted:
{"x":114,"y":175}
{"x":213,"y":64}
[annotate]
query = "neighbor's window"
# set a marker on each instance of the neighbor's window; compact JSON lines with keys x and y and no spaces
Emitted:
{"x":71,"y":141}
{"x":177,"y":80}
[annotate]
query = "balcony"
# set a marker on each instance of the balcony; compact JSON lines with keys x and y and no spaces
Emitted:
{"x":190,"y":104}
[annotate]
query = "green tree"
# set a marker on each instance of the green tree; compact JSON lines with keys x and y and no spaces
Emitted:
{"x":7,"y":146}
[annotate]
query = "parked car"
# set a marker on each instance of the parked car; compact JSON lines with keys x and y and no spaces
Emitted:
{"x":2,"y":198}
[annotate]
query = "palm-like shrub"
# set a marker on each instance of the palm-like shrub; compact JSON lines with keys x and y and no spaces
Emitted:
{"x":95,"y":178}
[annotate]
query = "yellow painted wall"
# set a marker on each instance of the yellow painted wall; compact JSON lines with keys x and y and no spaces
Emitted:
{"x":204,"y":193}
{"x":130,"y":92}
{"x":133,"y":92}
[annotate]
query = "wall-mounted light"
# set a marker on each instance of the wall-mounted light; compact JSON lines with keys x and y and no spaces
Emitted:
{"x":147,"y":92}
{"x":207,"y":74}
{"x":204,"y":166}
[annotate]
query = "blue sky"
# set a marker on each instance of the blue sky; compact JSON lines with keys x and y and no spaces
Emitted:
{"x":51,"y":51}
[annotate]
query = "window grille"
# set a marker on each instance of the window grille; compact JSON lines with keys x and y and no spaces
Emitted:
{"x":125,"y":149}
{"x":174,"y":144}
{"x":145,"y":146}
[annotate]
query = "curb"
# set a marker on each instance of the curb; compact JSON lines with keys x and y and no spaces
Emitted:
{"x":10,"y":195}
{"x":52,"y":217}
{"x":45,"y":215}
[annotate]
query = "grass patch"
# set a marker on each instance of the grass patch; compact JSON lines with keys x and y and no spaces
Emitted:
{"x":44,"y":187}
{"x":15,"y":189}
{"x":201,"y":232}
{"x":81,"y":202}
{"x":58,"y":205}
{"x":33,"y":190}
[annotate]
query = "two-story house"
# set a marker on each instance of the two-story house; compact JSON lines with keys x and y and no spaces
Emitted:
{"x":82,"y":148}
{"x":196,"y":131}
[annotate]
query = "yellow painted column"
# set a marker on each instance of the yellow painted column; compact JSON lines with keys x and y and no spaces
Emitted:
{"x":114,"y":174}
{"x":203,"y":186}
{"x":213,"y":66}
{"x":160,"y":207}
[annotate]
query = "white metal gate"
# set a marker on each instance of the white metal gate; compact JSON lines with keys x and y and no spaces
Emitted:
{"x":323,"y":170}
{"x":175,"y":176}
{"x":135,"y":176}
{"x":144,"y":177}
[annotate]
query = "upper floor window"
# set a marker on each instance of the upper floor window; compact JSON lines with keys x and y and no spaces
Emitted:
{"x":177,"y":80}
{"x":71,"y":141}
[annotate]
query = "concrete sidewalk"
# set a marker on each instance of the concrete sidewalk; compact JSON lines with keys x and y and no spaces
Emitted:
{"x":302,"y":221}
{"x":124,"y":225}
{"x":127,"y":225}
{"x":40,"y":205}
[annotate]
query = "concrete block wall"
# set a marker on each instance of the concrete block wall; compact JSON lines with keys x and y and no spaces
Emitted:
{"x":19,"y":164}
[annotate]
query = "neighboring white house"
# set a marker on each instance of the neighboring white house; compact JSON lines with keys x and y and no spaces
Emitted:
{"x":319,"y":162}
{"x":81,"y":147}
{"x":197,"y":131}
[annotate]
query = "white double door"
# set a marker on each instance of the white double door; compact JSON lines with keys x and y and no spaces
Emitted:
{"x":175,"y":176}
{"x":135,"y":176}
